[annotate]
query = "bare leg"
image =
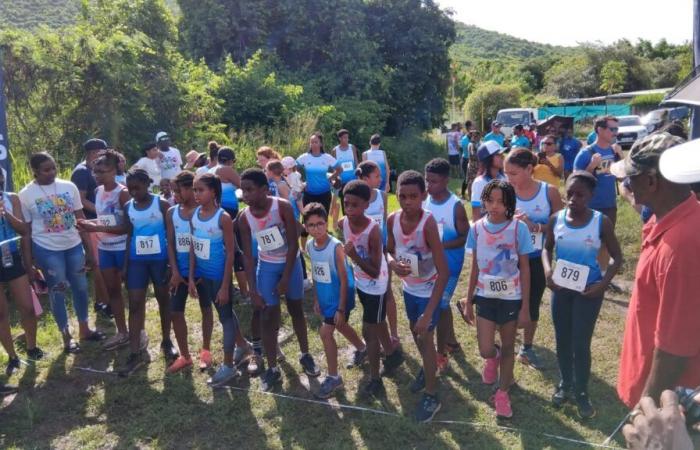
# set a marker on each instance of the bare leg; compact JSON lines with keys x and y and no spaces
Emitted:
{"x":330,"y":348}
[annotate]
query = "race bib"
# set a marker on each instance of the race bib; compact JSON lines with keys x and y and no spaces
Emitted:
{"x":202,"y":247}
{"x":570,"y":275}
{"x":378,"y":219}
{"x":347,"y":166}
{"x":321,"y":272}
{"x":537,"y":240}
{"x":411,"y":260}
{"x":269,"y":239}
{"x":496,"y":287}
{"x":183,"y":242}
{"x":108,"y":220}
{"x":147,"y":245}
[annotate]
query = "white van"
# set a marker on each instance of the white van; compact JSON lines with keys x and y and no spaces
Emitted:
{"x":515,"y":116}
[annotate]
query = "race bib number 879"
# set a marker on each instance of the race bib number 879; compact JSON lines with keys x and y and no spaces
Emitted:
{"x":570,"y":275}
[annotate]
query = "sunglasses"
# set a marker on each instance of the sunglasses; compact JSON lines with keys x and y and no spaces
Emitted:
{"x":613,"y":129}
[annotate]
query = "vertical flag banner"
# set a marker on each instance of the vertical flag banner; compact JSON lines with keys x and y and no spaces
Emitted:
{"x":5,"y":162}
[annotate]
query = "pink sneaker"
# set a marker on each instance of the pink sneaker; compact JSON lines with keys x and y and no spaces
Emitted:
{"x":501,"y":401}
{"x":490,"y":372}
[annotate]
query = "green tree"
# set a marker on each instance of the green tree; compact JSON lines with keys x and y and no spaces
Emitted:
{"x":485,"y":101}
{"x":613,"y":76}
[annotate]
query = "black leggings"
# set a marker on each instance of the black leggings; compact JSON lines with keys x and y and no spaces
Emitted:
{"x":324,"y":199}
{"x":538,"y":283}
{"x":574,"y":317}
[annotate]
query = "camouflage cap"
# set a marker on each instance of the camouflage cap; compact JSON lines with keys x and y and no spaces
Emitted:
{"x":645,"y":153}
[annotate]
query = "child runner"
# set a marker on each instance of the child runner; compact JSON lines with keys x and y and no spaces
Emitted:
{"x":368,"y":171}
{"x":230,"y":181}
{"x":416,"y":255}
{"x":13,"y":272}
{"x":177,"y":223}
{"x":346,"y":155}
{"x":166,"y":191}
{"x":379,"y":157}
{"x":490,"y":156}
{"x":453,"y":226}
{"x":275,"y":176}
{"x":147,"y":260}
{"x":211,"y":258}
{"x":499,"y":285}
{"x":334,"y":292}
{"x":535,"y":203}
{"x":577,"y":233}
{"x":278,"y":270}
{"x":363,"y":244}
{"x":111,"y":228}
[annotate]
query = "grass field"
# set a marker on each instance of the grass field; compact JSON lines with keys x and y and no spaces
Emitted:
{"x":60,"y":406}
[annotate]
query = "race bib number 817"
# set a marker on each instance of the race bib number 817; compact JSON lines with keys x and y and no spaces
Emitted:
{"x":147,"y":245}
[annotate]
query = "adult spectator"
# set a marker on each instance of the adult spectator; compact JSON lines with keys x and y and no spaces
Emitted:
{"x":84,"y":179}
{"x":472,"y":163}
{"x":530,"y":132}
{"x":169,"y":159}
{"x":597,"y":159}
{"x":149,"y":163}
{"x":453,"y":138}
{"x":661,"y":345}
{"x":519,"y":139}
{"x":52,"y":206}
{"x":495,"y":134}
{"x":213,"y":158}
{"x":316,"y":164}
{"x":550,"y":164}
{"x":569,"y":147}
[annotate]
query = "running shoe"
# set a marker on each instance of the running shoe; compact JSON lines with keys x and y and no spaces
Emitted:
{"x":375,"y":388}
{"x":358,"y":357}
{"x":501,"y":401}
{"x":419,"y":383}
{"x":133,"y":362}
{"x":392,"y":361}
{"x":7,"y":389}
{"x":583,"y":406}
{"x":204,"y":359}
{"x":169,"y":350}
{"x":256,"y":365}
{"x":35,"y":354}
{"x":309,"y":365}
{"x":490,"y":373}
{"x":180,"y":363}
{"x":529,"y":358}
{"x":428,"y":406}
{"x":443,"y":362}
{"x":270,"y":379}
{"x":562,"y":395}
{"x":12,"y":366}
{"x":104,"y":310}
{"x":241,"y":354}
{"x":116,"y":341}
{"x":223,"y":375}
{"x":329,"y":386}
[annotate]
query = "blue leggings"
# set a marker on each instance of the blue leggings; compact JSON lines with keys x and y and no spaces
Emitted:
{"x":64,"y":268}
{"x":574,"y":317}
{"x":207,"y":290}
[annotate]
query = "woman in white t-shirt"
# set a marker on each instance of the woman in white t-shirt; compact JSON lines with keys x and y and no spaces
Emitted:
{"x":51,"y":207}
{"x":149,"y":163}
{"x":490,"y":156}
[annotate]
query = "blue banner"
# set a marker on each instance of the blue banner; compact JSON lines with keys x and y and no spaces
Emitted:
{"x":5,"y":162}
{"x":582,"y":112}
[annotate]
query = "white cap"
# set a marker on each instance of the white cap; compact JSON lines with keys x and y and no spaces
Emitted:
{"x":288,"y":162}
{"x":160,"y":135}
{"x":681,"y":164}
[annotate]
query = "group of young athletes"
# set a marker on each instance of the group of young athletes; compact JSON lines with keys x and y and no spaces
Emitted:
{"x":194,"y":248}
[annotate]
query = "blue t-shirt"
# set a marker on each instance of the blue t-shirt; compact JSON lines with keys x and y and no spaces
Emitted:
{"x":464,"y":145}
{"x":592,"y":136}
{"x":605,"y":194}
{"x":495,"y":137}
{"x":569,"y":148}
{"x":316,"y":169}
{"x":520,"y":141}
{"x":524,"y":242}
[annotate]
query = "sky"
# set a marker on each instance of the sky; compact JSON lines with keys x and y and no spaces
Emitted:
{"x":570,"y":22}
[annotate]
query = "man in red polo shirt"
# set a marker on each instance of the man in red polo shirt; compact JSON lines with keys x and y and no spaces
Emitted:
{"x":661,"y":348}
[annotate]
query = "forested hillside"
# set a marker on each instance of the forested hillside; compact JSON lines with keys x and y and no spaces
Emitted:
{"x":31,"y":13}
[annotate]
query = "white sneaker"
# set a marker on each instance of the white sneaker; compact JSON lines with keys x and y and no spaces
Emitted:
{"x":116,"y":341}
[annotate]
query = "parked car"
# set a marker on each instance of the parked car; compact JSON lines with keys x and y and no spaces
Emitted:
{"x":630,"y":129}
{"x":515,"y":116}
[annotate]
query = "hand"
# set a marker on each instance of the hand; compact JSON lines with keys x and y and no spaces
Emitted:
{"x":339,"y":319}
{"x":400,"y":269}
{"x":33,"y":274}
{"x":317,"y":309}
{"x":87,"y":225}
{"x":222,"y":297}
{"x":175,"y":281}
{"x":350,"y":250}
{"x":258,"y":302}
{"x":467,"y":309}
{"x":596,"y":160}
{"x":523,"y":317}
{"x":282,"y":286}
{"x":89,"y":262}
{"x":531,"y":226}
{"x":422,"y":325}
{"x":595,"y":290}
{"x":658,"y":427}
{"x":192,"y":289}
{"x":550,"y":283}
